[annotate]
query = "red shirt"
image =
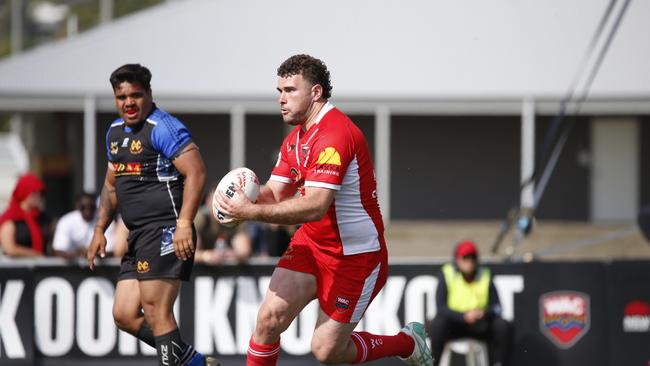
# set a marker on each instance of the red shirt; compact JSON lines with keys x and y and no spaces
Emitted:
{"x":334,"y":154}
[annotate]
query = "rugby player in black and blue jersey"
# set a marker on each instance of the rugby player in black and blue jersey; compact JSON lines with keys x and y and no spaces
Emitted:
{"x":157,"y":175}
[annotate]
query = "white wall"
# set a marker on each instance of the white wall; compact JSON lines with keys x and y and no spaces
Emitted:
{"x":615,"y":169}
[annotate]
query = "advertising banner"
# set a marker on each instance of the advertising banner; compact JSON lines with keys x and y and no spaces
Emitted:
{"x":562,"y":313}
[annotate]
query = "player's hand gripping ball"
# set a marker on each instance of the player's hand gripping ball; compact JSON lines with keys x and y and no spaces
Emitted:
{"x":242,"y":178}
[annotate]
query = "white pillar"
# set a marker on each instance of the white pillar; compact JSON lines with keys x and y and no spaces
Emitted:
{"x":105,"y":11}
{"x":527,"y":151}
{"x":72,"y":25}
{"x":382,"y":159}
{"x":237,"y":136}
{"x":16,"y":26}
{"x":90,"y":145}
{"x":615,"y":189}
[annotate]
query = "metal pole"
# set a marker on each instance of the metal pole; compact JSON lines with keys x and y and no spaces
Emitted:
{"x":105,"y":11}
{"x":237,"y":136}
{"x":90,"y":150}
{"x":72,"y":25}
{"x":527,"y":152}
{"x":382,"y":159}
{"x":16,"y":26}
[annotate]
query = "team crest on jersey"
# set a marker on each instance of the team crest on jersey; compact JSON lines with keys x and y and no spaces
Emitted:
{"x":565,"y":317}
{"x":136,"y":147}
{"x":114,"y":147}
{"x":143,"y":266}
{"x":304,"y":149}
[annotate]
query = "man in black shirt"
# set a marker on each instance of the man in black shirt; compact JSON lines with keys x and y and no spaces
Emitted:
{"x":157,"y":175}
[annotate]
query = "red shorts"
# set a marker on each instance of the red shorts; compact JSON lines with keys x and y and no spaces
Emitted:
{"x":346,"y":285}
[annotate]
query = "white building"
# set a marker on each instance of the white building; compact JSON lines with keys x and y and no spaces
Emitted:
{"x":453,"y":95}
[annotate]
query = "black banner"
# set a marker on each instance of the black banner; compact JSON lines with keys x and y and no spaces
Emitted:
{"x":564,"y":313}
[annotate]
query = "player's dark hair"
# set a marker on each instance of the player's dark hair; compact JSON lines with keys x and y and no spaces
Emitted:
{"x":131,"y":73}
{"x":311,"y":68}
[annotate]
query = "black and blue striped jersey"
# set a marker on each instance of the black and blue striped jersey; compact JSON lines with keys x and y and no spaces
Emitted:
{"x":149,"y":188}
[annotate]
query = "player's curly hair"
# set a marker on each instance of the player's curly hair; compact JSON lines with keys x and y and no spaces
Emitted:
{"x":311,"y":68}
{"x":131,"y":73}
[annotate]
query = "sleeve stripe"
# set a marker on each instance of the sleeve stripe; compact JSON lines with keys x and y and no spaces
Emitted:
{"x":279,"y":178}
{"x":311,"y":183}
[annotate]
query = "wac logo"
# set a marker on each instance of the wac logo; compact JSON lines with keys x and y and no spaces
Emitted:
{"x":564,"y":317}
{"x":342,"y":304}
{"x":136,"y":147}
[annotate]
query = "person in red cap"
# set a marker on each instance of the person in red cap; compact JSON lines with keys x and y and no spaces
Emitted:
{"x":24,"y":229}
{"x":468,"y":306}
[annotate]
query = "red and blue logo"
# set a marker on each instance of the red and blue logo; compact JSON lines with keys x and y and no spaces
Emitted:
{"x":564,"y":317}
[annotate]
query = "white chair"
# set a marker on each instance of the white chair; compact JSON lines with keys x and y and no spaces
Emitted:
{"x":475,"y":351}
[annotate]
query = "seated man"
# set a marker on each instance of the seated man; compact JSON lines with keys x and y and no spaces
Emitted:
{"x":468,"y":306}
{"x":75,"y":229}
{"x":217,"y":243}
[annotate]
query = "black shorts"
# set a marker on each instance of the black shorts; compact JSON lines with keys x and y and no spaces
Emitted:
{"x":150,"y":255}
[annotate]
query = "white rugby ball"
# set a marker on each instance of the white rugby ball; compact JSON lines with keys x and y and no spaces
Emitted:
{"x":242,"y":178}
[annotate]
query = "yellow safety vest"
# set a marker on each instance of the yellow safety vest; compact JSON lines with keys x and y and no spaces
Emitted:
{"x":463,"y":296}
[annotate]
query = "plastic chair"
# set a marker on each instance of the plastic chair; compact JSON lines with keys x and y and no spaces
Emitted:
{"x":475,"y":351}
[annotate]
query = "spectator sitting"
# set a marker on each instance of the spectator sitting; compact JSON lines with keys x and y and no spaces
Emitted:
{"x":269,"y":240}
{"x":75,"y":229}
{"x":24,"y":229}
{"x":217,"y":243}
{"x":468,"y":306}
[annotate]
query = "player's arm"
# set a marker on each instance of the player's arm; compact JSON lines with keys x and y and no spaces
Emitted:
{"x":190,"y":164}
{"x":107,"y":206}
{"x":310,"y":207}
{"x":274,"y":192}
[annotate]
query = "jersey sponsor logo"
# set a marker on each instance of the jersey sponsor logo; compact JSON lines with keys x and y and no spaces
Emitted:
{"x":143,"y":266}
{"x":125,"y":142}
{"x":167,"y":240}
{"x":342,"y":304}
{"x":565,"y":317}
{"x":329,"y":162}
{"x":136,"y":147}
{"x":298,"y":180}
{"x":114,"y":147}
{"x":329,"y":156}
{"x":329,"y":169}
{"x":122,"y":169}
{"x":636,"y":317}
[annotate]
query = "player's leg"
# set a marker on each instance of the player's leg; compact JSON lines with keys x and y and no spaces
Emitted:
{"x":289,"y":292}
{"x":336,"y":343}
{"x":127,"y":311}
{"x":349,"y":284}
{"x":158,"y":297}
{"x":127,"y":307}
{"x":160,"y":274}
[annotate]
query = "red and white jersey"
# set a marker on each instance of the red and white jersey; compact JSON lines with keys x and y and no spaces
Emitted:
{"x":334,"y":154}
